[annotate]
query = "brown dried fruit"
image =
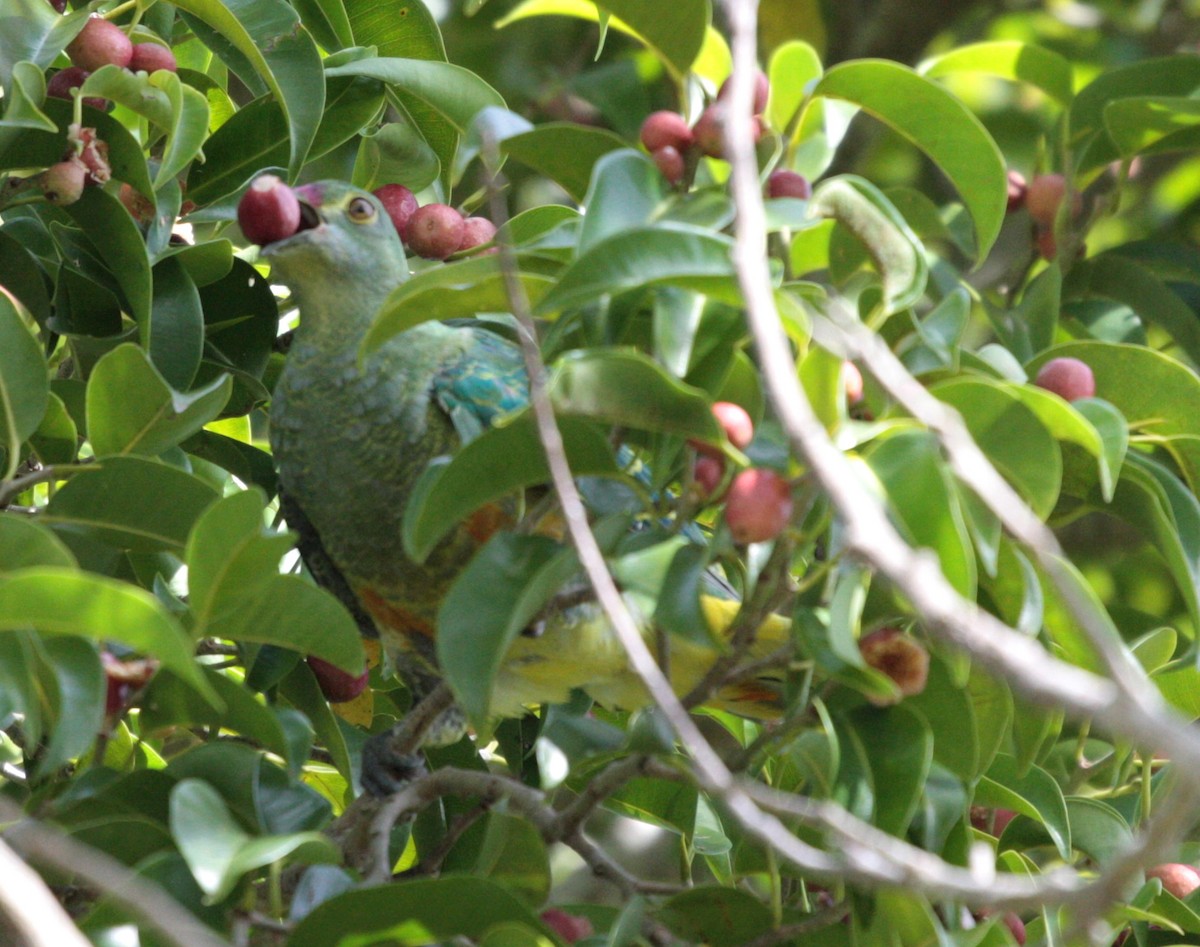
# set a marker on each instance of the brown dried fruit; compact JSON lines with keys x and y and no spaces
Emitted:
{"x":901,"y":657}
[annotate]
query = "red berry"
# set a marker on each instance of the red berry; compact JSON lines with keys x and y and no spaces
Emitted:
{"x":124,"y":679}
{"x":663,"y":129}
{"x":762,"y":89}
{"x":785,"y":183}
{"x":268,"y":211}
{"x":98,"y":44}
{"x":1043,"y":196}
{"x":570,"y":927}
{"x":400,"y":205}
{"x":150,"y":57}
{"x":852,"y":379}
{"x":1069,"y":378}
{"x":337,"y":685}
{"x":670,"y":163}
{"x":710,"y":136}
{"x":1047,"y":246}
{"x":901,"y":657}
{"x":59,"y":5}
{"x":735,"y":422}
{"x":476,"y":232}
{"x":758,"y":506}
{"x":708,"y":473}
{"x":62,"y":82}
{"x":1015,"y":926}
{"x":1179,"y":880}
{"x":1017,"y":189}
{"x":435,"y":231}
{"x":63,"y":183}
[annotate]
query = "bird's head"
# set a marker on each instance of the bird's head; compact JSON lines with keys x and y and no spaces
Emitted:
{"x":342,"y":236}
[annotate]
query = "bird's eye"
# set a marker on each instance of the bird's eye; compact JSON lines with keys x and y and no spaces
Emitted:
{"x":361,"y":210}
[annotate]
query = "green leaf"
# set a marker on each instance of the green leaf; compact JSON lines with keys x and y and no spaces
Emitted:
{"x":676,"y":33}
{"x":494,"y":465}
{"x":793,"y":66}
{"x":455,"y":290}
{"x":938,"y":124}
{"x":25,"y":542}
{"x":626,"y":191}
{"x":218,"y":850}
{"x":34,"y":31}
{"x":61,"y":601}
{"x":455,"y":93}
{"x":78,"y":698}
{"x":56,"y":441}
{"x":899,"y":750}
{"x":1009,"y":59}
{"x":327,"y":21}
{"x":896,"y":251}
{"x":720,"y":916}
{"x":420,"y":911}
{"x":132,"y":410}
{"x":514,"y":854}
{"x":951,"y":716}
{"x":131,"y":503}
{"x":180,"y":111}
{"x":409,"y":31}
{"x":23,"y":109}
{"x":266,"y":35}
{"x":1170,"y":77}
{"x":910,"y":467}
{"x":1034,"y":794}
{"x":24,"y":385}
{"x":671,"y":254}
{"x":565,"y":153}
{"x":119,"y":243}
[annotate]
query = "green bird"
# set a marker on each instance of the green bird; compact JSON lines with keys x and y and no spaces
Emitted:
{"x":350,"y":441}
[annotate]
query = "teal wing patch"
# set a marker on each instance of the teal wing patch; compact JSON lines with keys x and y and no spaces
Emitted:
{"x":486,"y":383}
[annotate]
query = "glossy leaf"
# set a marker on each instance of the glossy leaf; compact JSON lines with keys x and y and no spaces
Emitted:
{"x":494,"y":465}
{"x":715,"y":915}
{"x":34,"y":32}
{"x":132,"y":410}
{"x":266,"y":36}
{"x":939,"y":125}
{"x":22,"y":109}
{"x":78,"y":696}
{"x":219,"y":852}
{"x":131,"y":503}
{"x":56,"y":440}
{"x":899,"y":750}
{"x":118,"y":242}
{"x":564,"y":152}
{"x":24,"y":385}
{"x":25,"y":543}
{"x":670,"y":254}
{"x":58,"y":601}
{"x":1034,"y":794}
{"x":676,"y":33}
{"x":1009,"y":59}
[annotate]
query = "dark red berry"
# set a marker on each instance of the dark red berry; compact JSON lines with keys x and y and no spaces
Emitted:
{"x":400,"y":205}
{"x":708,"y":473}
{"x":62,"y":82}
{"x":124,"y":679}
{"x":476,"y":232}
{"x":663,"y":129}
{"x":1069,"y":378}
{"x":570,"y":927}
{"x":98,"y":44}
{"x":710,"y":136}
{"x":268,"y":211}
{"x":1043,"y":197}
{"x":59,"y":5}
{"x":758,"y":506}
{"x":435,"y":231}
{"x":151,"y":57}
{"x":337,"y":685}
{"x":63,"y":183}
{"x":785,"y":183}
{"x":670,"y":163}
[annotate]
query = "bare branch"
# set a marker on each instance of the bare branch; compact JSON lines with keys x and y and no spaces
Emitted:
{"x":30,"y":907}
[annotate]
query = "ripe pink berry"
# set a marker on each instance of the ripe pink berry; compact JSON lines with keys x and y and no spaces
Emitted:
{"x":150,"y":57}
{"x":400,"y":205}
{"x":1179,"y":880}
{"x":268,"y":211}
{"x":98,"y":44}
{"x":63,"y":183}
{"x":710,"y":136}
{"x":476,"y":232}
{"x":708,"y":473}
{"x":735,"y":422}
{"x":762,"y":89}
{"x":1043,"y":196}
{"x":901,"y":657}
{"x":670,"y":163}
{"x":758,"y":506}
{"x":1069,"y":378}
{"x":337,"y":685}
{"x":852,"y":379}
{"x":570,"y":927}
{"x":785,"y":183}
{"x":1017,"y":190}
{"x":435,"y":231}
{"x":60,"y":84}
{"x":662,"y":129}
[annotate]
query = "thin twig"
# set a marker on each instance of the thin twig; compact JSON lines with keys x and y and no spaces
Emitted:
{"x":31,"y":908}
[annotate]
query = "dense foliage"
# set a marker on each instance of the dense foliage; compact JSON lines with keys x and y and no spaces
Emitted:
{"x":1012,"y":216}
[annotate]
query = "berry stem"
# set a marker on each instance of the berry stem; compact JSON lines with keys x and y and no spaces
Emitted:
{"x":120,"y":8}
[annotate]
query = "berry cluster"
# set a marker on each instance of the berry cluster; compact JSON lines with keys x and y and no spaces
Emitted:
{"x":84,"y":164}
{"x":101,"y":43}
{"x":434,"y":231}
{"x":1042,"y":197}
